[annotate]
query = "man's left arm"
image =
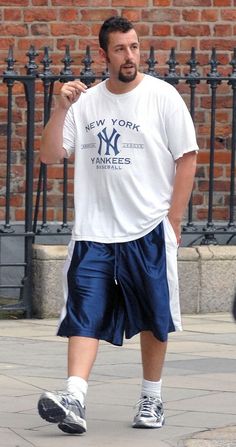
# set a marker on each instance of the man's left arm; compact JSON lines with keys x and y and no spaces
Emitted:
{"x":183,"y":184}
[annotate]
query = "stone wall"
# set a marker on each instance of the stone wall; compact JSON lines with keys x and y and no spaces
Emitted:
{"x":206,"y":275}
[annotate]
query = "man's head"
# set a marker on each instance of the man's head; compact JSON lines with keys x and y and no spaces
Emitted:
{"x":119,"y":46}
{"x":111,"y":25}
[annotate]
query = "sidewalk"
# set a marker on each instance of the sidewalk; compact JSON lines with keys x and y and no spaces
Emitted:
{"x":199,"y":387}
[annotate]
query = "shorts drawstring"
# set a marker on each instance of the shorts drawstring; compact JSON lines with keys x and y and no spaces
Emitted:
{"x":115,"y":263}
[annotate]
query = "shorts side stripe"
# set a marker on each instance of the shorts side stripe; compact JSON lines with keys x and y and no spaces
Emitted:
{"x":172,"y":273}
{"x":65,"y":280}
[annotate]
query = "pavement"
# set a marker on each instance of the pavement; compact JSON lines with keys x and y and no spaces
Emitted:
{"x":199,"y":387}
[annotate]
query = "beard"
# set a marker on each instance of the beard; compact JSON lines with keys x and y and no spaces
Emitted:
{"x":129,"y":77}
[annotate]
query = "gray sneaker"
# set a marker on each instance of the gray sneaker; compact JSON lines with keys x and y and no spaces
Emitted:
{"x":150,"y":413}
{"x":63,"y":409}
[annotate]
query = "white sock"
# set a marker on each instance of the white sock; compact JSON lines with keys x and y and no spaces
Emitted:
{"x":151,"y":389}
{"x":78,"y":387}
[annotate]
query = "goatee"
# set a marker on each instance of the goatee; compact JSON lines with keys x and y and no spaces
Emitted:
{"x":127,"y":78}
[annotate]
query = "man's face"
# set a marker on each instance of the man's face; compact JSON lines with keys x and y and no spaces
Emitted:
{"x":123,"y":55}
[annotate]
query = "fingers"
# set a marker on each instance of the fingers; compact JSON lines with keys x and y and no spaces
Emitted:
{"x":72,"y":90}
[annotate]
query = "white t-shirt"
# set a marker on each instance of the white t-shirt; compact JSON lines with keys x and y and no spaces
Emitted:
{"x":125,"y":150}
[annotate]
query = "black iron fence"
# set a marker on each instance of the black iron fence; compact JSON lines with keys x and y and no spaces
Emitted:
{"x":209,"y":231}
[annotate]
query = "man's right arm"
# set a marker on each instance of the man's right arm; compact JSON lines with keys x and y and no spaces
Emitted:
{"x":51,"y":149}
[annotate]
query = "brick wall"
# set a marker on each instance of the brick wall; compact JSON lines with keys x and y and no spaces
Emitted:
{"x":163,"y":24}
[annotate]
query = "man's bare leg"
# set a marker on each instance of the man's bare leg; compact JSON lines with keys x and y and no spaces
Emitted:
{"x":82,"y":352}
{"x":153,"y":356}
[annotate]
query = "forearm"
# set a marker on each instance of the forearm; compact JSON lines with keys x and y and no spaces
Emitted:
{"x":183,"y":184}
{"x":51,"y":150}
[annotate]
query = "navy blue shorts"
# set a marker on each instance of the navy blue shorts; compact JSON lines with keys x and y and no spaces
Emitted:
{"x":118,"y":289}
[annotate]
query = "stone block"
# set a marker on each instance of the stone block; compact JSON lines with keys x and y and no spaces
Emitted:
{"x":47,"y":265}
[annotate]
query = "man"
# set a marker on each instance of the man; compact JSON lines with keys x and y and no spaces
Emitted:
{"x":135,"y":158}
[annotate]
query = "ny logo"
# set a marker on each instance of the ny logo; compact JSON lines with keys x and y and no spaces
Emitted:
{"x":108,"y":142}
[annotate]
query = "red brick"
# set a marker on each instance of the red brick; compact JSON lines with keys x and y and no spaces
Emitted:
{"x":16,"y":200}
{"x":69,"y":3}
{"x":218,"y":44}
{"x":97,"y":14}
{"x":12,"y":15}
{"x":189,"y":3}
{"x":101,"y":3}
{"x":228,"y":14}
{"x":222,"y":157}
{"x":223,"y":30}
{"x":159,"y":44}
{"x":161,"y":2}
{"x":14,"y":30}
{"x":142,"y":29}
{"x":191,"y":30}
{"x":39,"y":2}
{"x":5,"y":43}
{"x":65,"y":30}
{"x":209,"y":15}
{"x":222,"y":3}
{"x":132,"y":14}
{"x":203,"y":157}
{"x":68,"y":15}
{"x":40,"y":15}
{"x":218,"y":171}
{"x":14,"y":2}
{"x":161,"y":30}
{"x":40,"y":29}
{"x":197,"y":199}
{"x":220,"y":214}
{"x":40,"y":43}
{"x":161,"y":15}
{"x":136,"y":3}
{"x":188,"y":43}
{"x":191,"y":15}
{"x":62,"y":43}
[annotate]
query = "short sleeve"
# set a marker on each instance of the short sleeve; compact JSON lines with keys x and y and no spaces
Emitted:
{"x":179,"y":127}
{"x":69,"y":132}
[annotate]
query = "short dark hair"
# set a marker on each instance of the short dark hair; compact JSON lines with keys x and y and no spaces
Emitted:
{"x":114,"y":23}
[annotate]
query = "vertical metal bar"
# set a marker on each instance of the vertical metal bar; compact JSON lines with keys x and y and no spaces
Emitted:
{"x":30,"y":98}
{"x":212,"y":156}
{"x":214,"y":80}
{"x":231,"y":223}
{"x":42,"y":180}
{"x":232,"y":82}
{"x":192,"y":112}
{"x":64,"y":228}
{"x":192,"y":79}
{"x":7,"y":225}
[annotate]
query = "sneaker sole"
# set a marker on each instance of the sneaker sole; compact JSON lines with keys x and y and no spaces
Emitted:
{"x":50,"y":410}
{"x":72,"y":428}
{"x":73,"y":424}
{"x":151,"y":425}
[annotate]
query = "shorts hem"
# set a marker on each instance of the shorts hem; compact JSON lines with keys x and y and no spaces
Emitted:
{"x":108,"y":339}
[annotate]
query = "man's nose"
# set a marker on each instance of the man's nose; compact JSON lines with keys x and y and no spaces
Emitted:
{"x":129,"y":53}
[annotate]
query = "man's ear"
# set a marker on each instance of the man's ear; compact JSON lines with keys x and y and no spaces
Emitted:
{"x":103,"y":55}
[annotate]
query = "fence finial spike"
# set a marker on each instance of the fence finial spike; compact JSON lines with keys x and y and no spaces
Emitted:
{"x":87,"y":75}
{"x":151,"y":62}
{"x":10,"y":63}
{"x":67,"y":60}
{"x":31,"y":66}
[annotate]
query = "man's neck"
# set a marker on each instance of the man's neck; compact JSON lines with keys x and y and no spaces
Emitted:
{"x":118,"y":87}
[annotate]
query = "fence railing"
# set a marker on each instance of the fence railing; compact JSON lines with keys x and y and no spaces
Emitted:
{"x":208,"y":231}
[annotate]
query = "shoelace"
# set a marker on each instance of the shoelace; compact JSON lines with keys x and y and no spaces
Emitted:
{"x":149,"y":405}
